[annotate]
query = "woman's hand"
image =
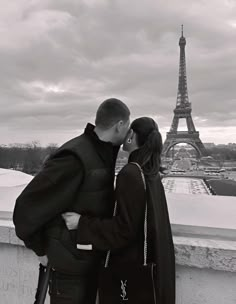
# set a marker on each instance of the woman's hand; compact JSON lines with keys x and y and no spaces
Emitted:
{"x":71,"y":219}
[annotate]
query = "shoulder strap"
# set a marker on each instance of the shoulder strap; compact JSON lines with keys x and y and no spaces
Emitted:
{"x":142,"y":174}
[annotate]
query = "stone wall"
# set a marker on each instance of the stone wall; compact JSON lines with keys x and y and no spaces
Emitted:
{"x":18,"y":274}
{"x":205,"y":270}
{"x":204,"y":230}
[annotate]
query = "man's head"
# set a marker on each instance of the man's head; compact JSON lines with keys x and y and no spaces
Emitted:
{"x":112,"y":121}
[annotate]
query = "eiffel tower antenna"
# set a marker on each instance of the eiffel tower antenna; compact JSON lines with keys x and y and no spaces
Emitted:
{"x":183,"y":110}
{"x":182,"y":96}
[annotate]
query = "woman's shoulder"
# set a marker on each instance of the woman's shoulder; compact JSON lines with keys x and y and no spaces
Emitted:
{"x":130,"y":170}
{"x":130,"y":178}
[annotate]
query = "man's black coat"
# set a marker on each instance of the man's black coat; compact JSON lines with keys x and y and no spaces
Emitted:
{"x":54,"y":190}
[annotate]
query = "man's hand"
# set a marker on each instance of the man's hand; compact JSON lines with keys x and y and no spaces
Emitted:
{"x":43,"y":260}
{"x":71,"y":219}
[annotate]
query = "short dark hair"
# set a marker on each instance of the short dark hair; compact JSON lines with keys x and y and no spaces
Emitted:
{"x":110,"y":112}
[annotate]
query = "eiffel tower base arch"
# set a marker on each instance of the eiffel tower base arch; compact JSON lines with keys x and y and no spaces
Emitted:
{"x":184,"y":138}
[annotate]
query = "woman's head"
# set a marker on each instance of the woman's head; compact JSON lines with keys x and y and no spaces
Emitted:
{"x":145,"y":138}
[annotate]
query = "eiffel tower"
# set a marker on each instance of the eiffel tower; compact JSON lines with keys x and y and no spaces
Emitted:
{"x":183,"y":109}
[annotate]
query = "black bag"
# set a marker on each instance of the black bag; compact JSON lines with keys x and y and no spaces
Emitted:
{"x":128,"y":283}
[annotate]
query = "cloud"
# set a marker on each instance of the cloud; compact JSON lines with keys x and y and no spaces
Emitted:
{"x":60,"y":59}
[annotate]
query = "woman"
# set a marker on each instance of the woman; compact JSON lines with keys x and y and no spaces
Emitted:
{"x":123,"y":234}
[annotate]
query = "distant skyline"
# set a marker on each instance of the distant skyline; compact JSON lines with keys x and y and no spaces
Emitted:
{"x":61,"y":58}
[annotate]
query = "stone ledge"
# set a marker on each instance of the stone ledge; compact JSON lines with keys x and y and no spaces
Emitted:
{"x":205,"y":253}
{"x":8,"y":235}
{"x":199,"y":252}
{"x":203,"y":232}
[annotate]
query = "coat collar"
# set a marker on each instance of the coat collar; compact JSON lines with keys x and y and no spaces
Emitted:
{"x":106,"y":150}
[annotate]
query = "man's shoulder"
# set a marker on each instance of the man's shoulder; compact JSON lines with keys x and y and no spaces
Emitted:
{"x":63,"y":163}
{"x":71,"y":149}
{"x":72,"y":142}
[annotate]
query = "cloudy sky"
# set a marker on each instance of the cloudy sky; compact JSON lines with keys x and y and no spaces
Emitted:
{"x":60,"y":58}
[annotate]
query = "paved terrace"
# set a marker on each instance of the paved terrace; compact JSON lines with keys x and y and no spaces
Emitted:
{"x":185,"y":185}
{"x":204,"y":230}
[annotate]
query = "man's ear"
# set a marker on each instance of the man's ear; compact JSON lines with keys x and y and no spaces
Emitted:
{"x":119,"y":125}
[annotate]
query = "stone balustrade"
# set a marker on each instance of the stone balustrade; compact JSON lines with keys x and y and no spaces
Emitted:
{"x":204,"y":230}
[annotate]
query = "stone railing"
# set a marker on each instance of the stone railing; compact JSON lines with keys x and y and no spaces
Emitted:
{"x":204,"y":230}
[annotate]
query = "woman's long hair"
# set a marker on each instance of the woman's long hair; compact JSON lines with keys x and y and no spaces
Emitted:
{"x":149,"y":140}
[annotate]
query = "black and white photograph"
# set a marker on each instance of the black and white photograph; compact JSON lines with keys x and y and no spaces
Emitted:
{"x":117,"y":152}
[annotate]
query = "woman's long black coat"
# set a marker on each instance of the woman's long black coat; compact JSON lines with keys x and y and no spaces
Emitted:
{"x":124,"y":234}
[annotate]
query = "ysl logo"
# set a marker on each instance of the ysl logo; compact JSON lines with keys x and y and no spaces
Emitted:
{"x":123,"y":290}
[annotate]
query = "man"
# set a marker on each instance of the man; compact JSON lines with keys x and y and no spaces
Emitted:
{"x":78,"y":177}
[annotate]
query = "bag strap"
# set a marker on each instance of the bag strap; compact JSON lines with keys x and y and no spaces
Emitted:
{"x":145,"y":223}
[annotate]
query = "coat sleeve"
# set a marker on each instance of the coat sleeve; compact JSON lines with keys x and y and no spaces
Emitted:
{"x":119,"y":231}
{"x":48,"y":195}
